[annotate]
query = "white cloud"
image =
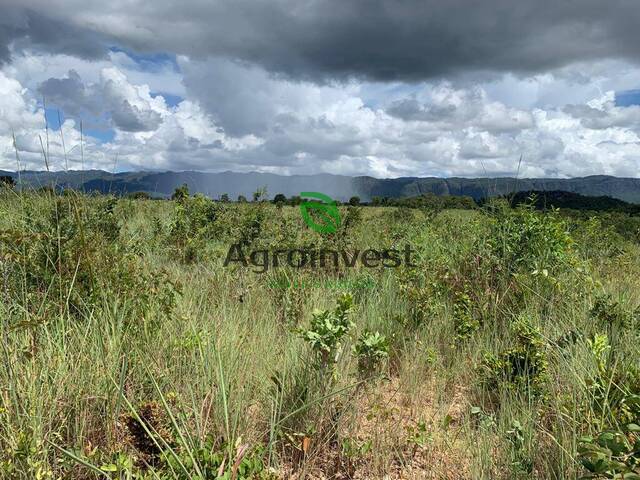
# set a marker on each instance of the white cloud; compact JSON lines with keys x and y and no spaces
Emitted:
{"x":20,"y":115}
{"x":239,"y":117}
{"x":32,"y":68}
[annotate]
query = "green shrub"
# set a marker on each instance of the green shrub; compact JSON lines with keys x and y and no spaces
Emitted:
{"x":522,"y":367}
{"x":213,"y":463}
{"x":181,"y":193}
{"x":613,"y":453}
{"x":327,"y":329}
{"x":613,"y":315}
{"x":465,"y":324}
{"x":525,"y":240}
{"x":370,"y":349}
{"x":614,"y":381}
{"x":193,"y":224}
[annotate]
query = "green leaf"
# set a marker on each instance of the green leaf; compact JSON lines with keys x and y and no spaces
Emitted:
{"x":329,"y":216}
{"x":616,"y":442}
{"x":595,"y":462}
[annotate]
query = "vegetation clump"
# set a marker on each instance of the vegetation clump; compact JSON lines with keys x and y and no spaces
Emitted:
{"x":523,"y":366}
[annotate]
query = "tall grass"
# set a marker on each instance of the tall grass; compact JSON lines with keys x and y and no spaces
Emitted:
{"x":129,"y":351}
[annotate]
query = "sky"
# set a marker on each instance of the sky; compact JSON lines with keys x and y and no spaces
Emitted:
{"x":354,"y":87}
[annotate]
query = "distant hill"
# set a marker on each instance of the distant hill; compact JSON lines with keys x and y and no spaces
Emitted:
{"x":341,"y":187}
{"x":574,"y":201}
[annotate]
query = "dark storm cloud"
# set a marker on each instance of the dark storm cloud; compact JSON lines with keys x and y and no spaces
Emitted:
{"x":406,"y":39}
{"x":9,"y":19}
{"x":25,"y":28}
{"x":374,"y":39}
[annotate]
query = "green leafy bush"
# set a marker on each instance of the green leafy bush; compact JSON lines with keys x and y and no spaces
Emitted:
{"x":465,"y":324}
{"x":327,"y":329}
{"x":213,"y":463}
{"x":193,"y":224}
{"x":525,"y":240}
{"x":523,"y":366}
{"x":613,"y":453}
{"x":612,"y":314}
{"x":371,"y":349}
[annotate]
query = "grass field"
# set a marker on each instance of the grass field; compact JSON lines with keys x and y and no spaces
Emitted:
{"x":510,"y":350}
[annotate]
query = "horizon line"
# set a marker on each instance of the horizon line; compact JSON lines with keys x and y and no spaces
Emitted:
{"x":151,"y":172}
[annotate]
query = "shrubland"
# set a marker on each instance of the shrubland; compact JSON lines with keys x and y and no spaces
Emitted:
{"x":509,"y":349}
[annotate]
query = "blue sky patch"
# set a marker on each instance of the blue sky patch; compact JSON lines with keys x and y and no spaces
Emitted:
{"x":52,"y":118}
{"x":103,"y":135}
{"x":627,"y":98}
{"x":170,"y":100}
{"x":91,"y":127}
{"x":150,"y":62}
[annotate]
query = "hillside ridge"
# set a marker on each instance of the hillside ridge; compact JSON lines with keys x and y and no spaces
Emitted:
{"x":341,"y":187}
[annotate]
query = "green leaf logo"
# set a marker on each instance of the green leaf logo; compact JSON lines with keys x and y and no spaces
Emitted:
{"x":327,"y":215}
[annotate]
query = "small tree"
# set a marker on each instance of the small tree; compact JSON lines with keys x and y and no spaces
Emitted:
{"x":242,"y":199}
{"x":181,"y":193}
{"x":279,"y":199}
{"x":354,"y":201}
{"x":260,"y":194}
{"x":224,"y":198}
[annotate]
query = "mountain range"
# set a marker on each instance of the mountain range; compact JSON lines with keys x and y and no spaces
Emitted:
{"x":340,"y":187}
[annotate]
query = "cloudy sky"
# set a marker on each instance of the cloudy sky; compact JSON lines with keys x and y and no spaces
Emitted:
{"x":357,"y":87}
